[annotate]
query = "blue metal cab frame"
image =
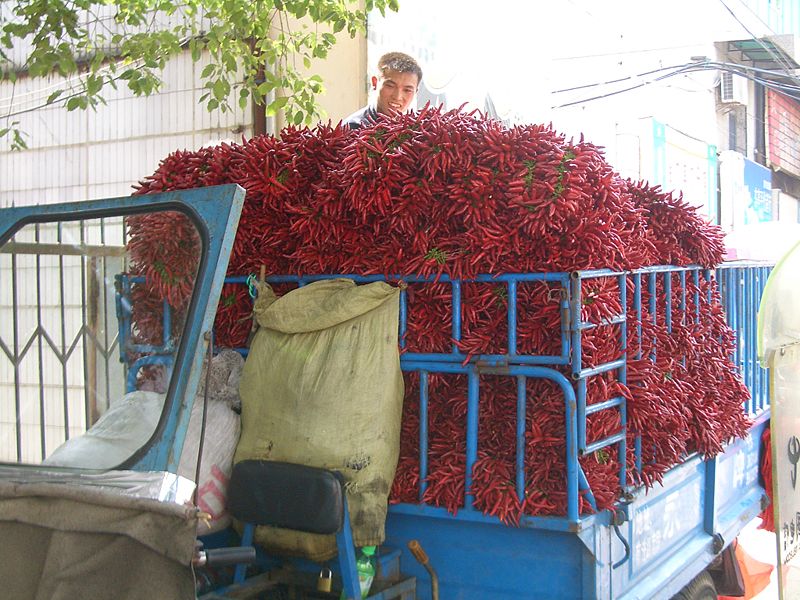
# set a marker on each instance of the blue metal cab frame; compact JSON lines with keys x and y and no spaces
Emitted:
{"x":215,"y":213}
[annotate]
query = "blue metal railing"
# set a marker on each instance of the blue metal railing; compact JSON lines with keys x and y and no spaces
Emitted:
{"x":511,"y":281}
{"x":124,"y":315}
{"x":740,"y":288}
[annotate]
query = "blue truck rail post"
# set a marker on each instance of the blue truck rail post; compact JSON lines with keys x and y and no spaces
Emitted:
{"x":658,"y":539}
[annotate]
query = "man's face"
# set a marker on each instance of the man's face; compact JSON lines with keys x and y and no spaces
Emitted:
{"x":396,"y":91}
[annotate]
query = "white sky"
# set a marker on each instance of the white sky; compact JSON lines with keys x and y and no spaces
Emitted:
{"x":521,"y":51}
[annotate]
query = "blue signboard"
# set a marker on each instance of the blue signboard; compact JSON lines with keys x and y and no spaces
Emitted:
{"x":758,"y":185}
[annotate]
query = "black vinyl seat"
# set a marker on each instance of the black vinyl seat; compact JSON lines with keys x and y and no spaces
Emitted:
{"x":297,"y":497}
{"x":287,"y":495}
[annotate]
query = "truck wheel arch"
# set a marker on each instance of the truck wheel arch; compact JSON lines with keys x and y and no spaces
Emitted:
{"x":700,"y":588}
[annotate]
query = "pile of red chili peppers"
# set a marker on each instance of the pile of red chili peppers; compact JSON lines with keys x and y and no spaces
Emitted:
{"x":452,"y":192}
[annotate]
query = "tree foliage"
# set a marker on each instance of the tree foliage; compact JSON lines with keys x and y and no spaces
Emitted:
{"x":253,"y":49}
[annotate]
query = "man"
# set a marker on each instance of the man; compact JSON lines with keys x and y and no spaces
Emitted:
{"x":397,"y":83}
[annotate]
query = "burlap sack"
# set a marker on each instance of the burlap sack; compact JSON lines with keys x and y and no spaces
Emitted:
{"x":322,"y":386}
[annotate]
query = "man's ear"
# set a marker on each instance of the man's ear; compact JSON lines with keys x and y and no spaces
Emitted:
{"x":374,"y":81}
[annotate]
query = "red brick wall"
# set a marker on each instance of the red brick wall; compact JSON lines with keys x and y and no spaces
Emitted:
{"x":783,"y":132}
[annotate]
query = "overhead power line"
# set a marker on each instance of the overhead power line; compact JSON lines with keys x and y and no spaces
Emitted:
{"x":789,"y":86}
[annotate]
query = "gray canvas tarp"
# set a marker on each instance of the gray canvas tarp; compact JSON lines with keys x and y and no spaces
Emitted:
{"x":62,"y":542}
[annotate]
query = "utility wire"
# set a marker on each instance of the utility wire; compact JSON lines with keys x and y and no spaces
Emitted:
{"x":621,"y":79}
{"x":751,"y":73}
{"x":686,"y":68}
{"x":729,"y":65}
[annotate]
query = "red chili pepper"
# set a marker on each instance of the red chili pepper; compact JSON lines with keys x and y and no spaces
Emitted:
{"x":452,"y":193}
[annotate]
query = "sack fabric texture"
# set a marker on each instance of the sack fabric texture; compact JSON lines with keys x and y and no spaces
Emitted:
{"x":62,"y":542}
{"x":130,"y":422}
{"x":322,"y":387}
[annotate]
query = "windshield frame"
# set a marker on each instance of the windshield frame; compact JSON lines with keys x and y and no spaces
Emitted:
{"x":215,"y":212}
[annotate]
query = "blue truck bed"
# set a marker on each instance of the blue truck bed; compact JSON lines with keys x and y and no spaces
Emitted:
{"x":658,"y":539}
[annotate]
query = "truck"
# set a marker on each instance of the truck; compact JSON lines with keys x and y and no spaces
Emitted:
{"x":130,"y":529}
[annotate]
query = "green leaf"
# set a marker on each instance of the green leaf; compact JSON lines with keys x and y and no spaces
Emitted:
{"x":67,"y":65}
{"x":97,"y":60}
{"x":220,"y":89}
{"x":264,"y":88}
{"x":17,"y":141}
{"x":276,"y":105}
{"x":54,"y":96}
{"x":298,"y":117}
{"x":196,"y":49}
{"x":230,"y":63}
{"x":207,"y":71}
{"x":93,"y":84}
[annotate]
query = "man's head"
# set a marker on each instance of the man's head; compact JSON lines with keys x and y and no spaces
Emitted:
{"x":398,"y":81}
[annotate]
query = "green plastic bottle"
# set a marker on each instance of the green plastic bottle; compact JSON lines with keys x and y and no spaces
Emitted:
{"x":365,"y":567}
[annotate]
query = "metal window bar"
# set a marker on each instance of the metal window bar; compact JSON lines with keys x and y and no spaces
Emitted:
{"x":522,"y":409}
{"x":456,"y":321}
{"x":749,"y":355}
{"x":739,"y":283}
{"x":764,"y":387}
{"x":87,"y":379}
{"x":15,"y":358}
{"x":696,"y":281}
{"x":63,"y":328}
{"x":40,"y":348}
{"x":683,"y":297}
{"x":682,"y":307}
{"x":622,"y":282}
{"x":741,"y":287}
{"x":652,"y":302}
{"x":580,"y":375}
{"x":35,"y":444}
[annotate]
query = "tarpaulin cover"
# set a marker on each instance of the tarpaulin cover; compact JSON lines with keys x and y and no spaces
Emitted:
{"x":130,"y":421}
{"x":61,"y":542}
{"x":322,"y":387}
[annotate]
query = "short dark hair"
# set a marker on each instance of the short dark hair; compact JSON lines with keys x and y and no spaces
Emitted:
{"x":402,"y":63}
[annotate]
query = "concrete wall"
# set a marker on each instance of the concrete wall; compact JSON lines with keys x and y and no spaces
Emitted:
{"x":344,"y":76}
{"x":100,"y":153}
{"x":104,"y":152}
